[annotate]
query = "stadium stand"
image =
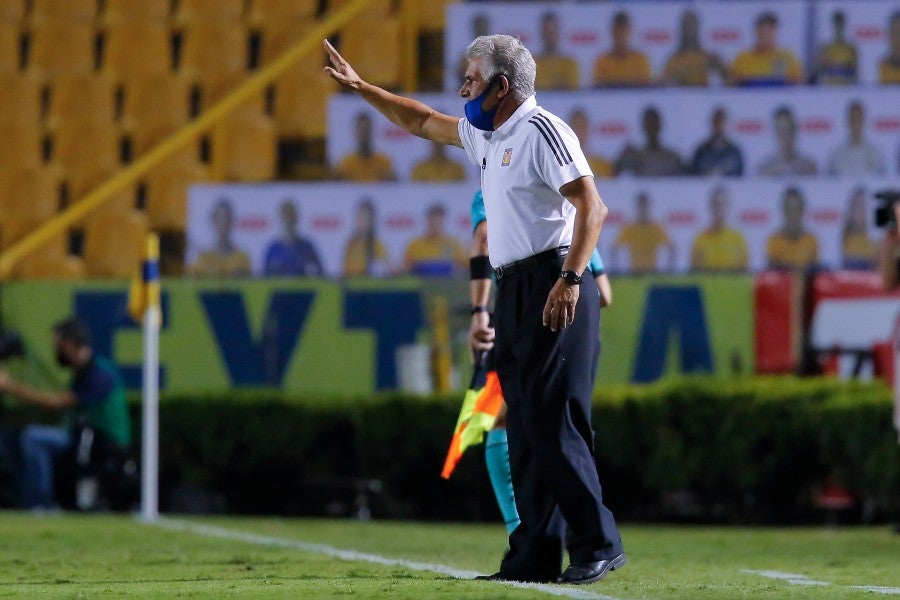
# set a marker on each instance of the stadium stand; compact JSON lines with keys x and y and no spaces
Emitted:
{"x":373,"y":46}
{"x":263,"y":12}
{"x":20,"y":95}
{"x":81,"y":98}
{"x":193,"y":12}
{"x":153,"y":108}
{"x":379,"y":8}
{"x":214,"y":56}
{"x":136,"y":49}
{"x":9,"y":46}
{"x":31,"y":196}
{"x":166,"y":188}
{"x":12,"y":11}
{"x":48,"y":10}
{"x":114,"y":240}
{"x":88,"y":153}
{"x":60,"y":46}
{"x":244,"y":147}
{"x":117,"y":11}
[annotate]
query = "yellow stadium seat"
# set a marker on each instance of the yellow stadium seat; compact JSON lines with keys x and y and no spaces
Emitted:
{"x":136,"y":49}
{"x":154,"y":108}
{"x":245,"y":148}
{"x":269,"y":11}
{"x":214,"y":55}
{"x":190,"y":12}
{"x":12,"y":10}
{"x":432,"y":14}
{"x":380,"y":8}
{"x":9,"y":46}
{"x":83,"y":97}
{"x":20,"y":97}
{"x":279,"y":36}
{"x":61,"y":46}
{"x":32,"y":197}
{"x":88,"y":153}
{"x":83,"y":10}
{"x":114,"y":243}
{"x":372,"y":46}
{"x":21,"y":147}
{"x":116,"y":11}
{"x":167,"y":188}
{"x":51,"y":261}
{"x":301,"y":104}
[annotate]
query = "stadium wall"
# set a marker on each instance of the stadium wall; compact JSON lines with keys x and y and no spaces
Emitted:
{"x":342,"y":337}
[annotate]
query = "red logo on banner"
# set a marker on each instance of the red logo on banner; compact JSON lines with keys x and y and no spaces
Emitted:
{"x":816,"y":124}
{"x":825,"y":215}
{"x":657,"y":36}
{"x":253,"y":223}
{"x":395,"y":133}
{"x":726,"y":35}
{"x":326,"y":223}
{"x":868,"y":32}
{"x":584,"y":37}
{"x":887,"y":123}
{"x":754,"y":217}
{"x":749,"y":126}
{"x":615,"y":218}
{"x":612,"y":128}
{"x":681,"y":218}
{"x":399,"y":222}
{"x":464,"y":222}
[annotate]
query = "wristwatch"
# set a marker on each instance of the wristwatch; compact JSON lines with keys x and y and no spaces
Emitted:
{"x":477,"y":308}
{"x":570,"y":277}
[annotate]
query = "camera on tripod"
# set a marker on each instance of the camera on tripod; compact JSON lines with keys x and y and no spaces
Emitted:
{"x":884,"y":214}
{"x":11,"y":345}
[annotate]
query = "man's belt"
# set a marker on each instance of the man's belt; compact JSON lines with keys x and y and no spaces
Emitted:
{"x":525,"y":264}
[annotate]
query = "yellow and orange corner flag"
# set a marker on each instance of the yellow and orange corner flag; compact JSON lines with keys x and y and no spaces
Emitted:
{"x":144,"y":292}
{"x":476,"y":417}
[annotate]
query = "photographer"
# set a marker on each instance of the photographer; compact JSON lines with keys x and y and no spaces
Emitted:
{"x":96,"y":396}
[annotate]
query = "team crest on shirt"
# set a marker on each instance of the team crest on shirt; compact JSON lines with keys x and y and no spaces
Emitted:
{"x":507,"y":156}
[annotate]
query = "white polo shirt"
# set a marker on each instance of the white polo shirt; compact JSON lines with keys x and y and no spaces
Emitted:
{"x":523,"y":164}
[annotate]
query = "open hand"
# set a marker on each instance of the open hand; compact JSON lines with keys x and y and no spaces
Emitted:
{"x":341,"y":71}
{"x":559,"y":311}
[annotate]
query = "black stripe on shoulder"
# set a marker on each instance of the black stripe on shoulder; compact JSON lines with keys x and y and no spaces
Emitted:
{"x":546,"y":136}
{"x":555,"y":133}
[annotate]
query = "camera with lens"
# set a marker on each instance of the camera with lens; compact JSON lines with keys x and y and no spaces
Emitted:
{"x":884,"y":214}
{"x":11,"y":345}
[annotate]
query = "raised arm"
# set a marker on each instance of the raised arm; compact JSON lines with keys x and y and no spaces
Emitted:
{"x":413,"y":116}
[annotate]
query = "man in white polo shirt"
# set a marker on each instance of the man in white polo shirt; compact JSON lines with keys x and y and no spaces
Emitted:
{"x":545,"y":215}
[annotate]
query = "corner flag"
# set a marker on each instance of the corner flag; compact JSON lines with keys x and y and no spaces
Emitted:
{"x":144,"y":307}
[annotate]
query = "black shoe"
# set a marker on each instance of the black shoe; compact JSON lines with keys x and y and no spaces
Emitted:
{"x":589,"y":572}
{"x":495,"y":577}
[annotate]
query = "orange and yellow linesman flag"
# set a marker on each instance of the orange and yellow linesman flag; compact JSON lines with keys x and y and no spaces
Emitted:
{"x":477,"y":416}
{"x":144,"y":292}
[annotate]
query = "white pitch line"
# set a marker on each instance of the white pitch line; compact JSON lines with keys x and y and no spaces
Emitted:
{"x":798,"y":579}
{"x":353,"y":555}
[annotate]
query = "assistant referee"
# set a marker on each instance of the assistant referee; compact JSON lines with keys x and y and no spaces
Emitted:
{"x":545,"y":215}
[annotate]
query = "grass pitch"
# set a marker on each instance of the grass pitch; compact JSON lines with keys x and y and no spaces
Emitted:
{"x":84,"y":557}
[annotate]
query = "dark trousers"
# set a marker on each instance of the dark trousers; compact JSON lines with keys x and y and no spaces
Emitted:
{"x":547,"y":381}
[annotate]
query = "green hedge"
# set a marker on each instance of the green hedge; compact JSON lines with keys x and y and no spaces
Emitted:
{"x":727,"y":450}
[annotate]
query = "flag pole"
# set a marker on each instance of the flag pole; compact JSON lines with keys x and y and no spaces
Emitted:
{"x":152,"y":321}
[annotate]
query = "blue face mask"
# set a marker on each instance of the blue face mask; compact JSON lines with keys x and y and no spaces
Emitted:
{"x":476,"y":115}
